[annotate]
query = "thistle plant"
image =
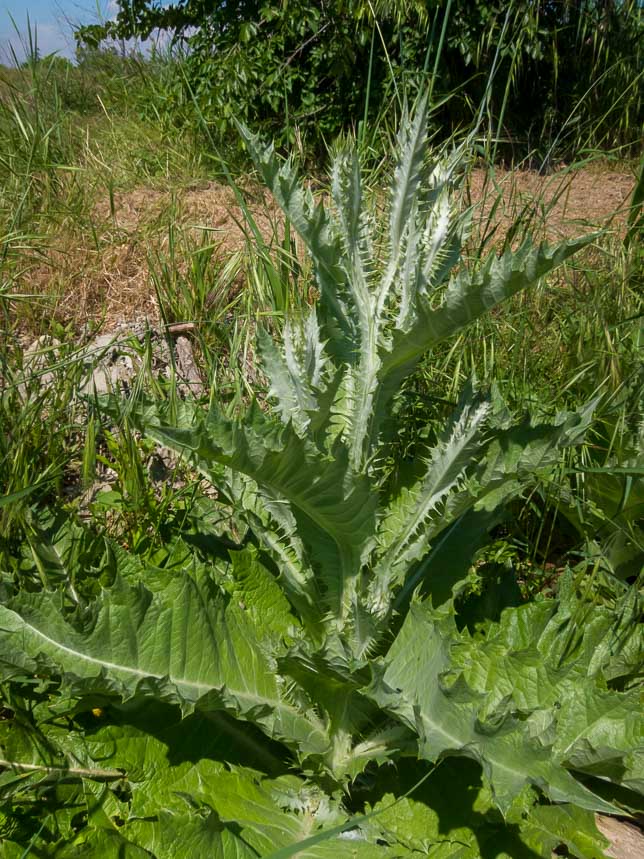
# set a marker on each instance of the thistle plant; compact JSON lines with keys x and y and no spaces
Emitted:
{"x":332,"y":630}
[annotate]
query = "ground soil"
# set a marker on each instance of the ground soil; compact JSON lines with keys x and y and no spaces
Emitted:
{"x":626,"y":840}
{"x":105,"y":278}
{"x":561,"y":205}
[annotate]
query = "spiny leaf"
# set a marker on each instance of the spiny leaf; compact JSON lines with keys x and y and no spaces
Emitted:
{"x":405,"y":532}
{"x":412,"y":149}
{"x":183,"y":644}
{"x":316,"y":229}
{"x":333,"y":507}
{"x":425,"y":689}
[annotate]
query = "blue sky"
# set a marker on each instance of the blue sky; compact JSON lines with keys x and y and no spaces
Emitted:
{"x":53,"y":21}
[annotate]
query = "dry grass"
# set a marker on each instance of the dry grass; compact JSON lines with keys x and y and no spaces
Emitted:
{"x":563,"y":204}
{"x":103,"y":279}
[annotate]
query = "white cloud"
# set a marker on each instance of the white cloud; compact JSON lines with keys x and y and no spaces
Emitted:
{"x":49,"y":38}
{"x":57,"y":36}
{"x":52,"y":38}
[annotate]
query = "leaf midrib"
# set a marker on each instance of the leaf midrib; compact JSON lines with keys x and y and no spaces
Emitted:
{"x":241,"y":696}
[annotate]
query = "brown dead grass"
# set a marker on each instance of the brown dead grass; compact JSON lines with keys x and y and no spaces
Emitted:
{"x":562,"y":205}
{"x":85,"y":286}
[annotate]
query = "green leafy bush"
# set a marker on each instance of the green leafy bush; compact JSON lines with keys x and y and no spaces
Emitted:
{"x":316,"y":678}
{"x":568,"y":75}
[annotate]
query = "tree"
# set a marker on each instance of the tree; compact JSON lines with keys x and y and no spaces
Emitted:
{"x":320,"y":66}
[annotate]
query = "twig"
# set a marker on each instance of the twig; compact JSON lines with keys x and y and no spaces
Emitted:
{"x":180,"y":327}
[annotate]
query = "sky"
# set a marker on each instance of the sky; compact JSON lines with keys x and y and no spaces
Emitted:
{"x":52,"y":20}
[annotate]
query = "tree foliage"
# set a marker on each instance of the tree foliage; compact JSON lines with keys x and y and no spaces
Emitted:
{"x":318,"y":67}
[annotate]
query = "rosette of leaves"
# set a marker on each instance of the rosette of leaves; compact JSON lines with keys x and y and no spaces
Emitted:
{"x":282,"y":698}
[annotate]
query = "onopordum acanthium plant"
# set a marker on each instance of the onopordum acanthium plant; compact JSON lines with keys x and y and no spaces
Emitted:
{"x":333,"y":628}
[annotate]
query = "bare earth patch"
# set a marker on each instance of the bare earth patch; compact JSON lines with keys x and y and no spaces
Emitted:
{"x":626,"y":840}
{"x":104,"y":279}
{"x":565,"y":204}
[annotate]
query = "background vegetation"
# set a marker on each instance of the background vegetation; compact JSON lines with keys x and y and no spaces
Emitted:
{"x":568,"y":73}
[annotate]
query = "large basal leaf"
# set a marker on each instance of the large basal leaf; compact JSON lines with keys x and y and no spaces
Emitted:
{"x":602,"y":733}
{"x":534,"y":830}
{"x":181,"y":794}
{"x":426,"y":687}
{"x":183,"y":643}
{"x":449,"y":812}
{"x":168,"y":835}
{"x":552,"y":660}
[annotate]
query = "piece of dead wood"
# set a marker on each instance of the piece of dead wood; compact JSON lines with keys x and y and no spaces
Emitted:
{"x":180,"y":327}
{"x":187,"y":367}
